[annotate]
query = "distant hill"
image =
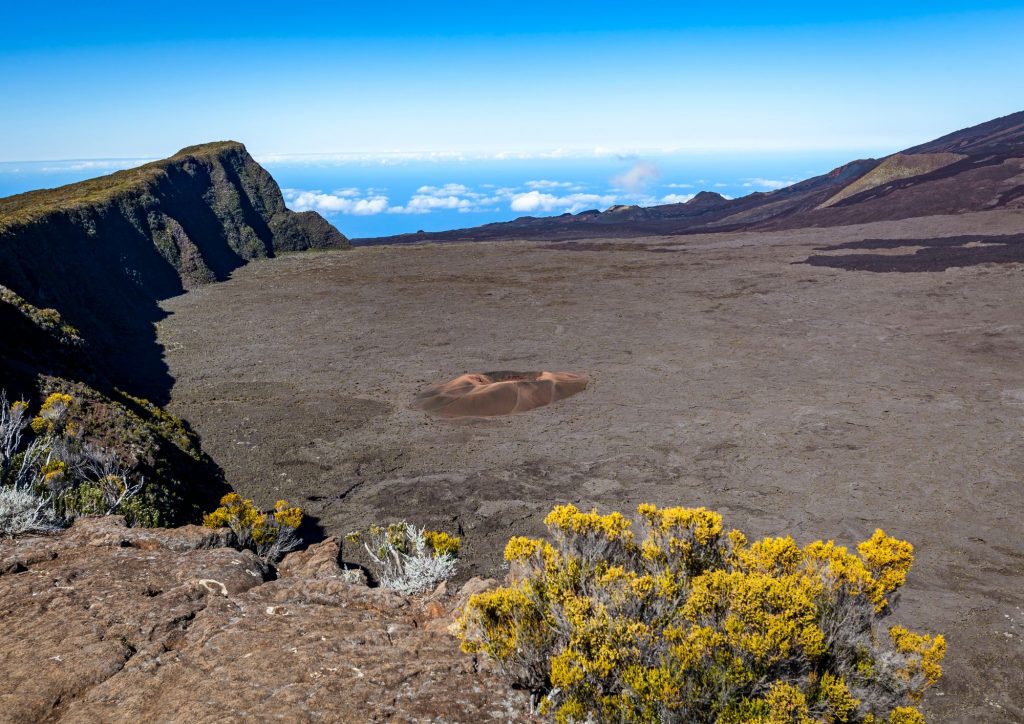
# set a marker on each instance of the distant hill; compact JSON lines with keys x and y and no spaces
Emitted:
{"x":975,"y":169}
{"x":82,"y":271}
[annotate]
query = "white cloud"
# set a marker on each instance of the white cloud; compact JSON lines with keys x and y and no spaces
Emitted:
{"x":767,"y":183}
{"x":678,"y":186}
{"x":676,"y":198}
{"x":446,"y":190}
{"x":425,"y":203}
{"x":638,"y":177}
{"x":299,"y":200}
{"x":450,"y":196}
{"x":531,"y":201}
{"x":546,"y":184}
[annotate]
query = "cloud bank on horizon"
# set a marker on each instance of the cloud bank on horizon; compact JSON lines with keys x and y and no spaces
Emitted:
{"x":636,"y":186}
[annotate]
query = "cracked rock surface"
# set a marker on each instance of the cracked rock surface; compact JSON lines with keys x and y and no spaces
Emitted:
{"x":105,"y":623}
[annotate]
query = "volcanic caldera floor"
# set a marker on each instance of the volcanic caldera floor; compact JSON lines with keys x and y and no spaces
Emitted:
{"x":797,"y":399}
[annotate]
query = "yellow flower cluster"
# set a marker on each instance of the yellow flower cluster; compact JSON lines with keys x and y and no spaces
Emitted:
{"x":926,"y":651}
{"x":509,"y":617}
{"x":233,"y":511}
{"x":693,"y":617}
{"x":906,"y":715}
{"x":287,"y":515}
{"x":53,"y":471}
{"x":888,"y":559}
{"x":704,"y":525}
{"x":569,"y":519}
{"x":521,"y":548}
{"x":765,"y":618}
{"x":443,"y":544}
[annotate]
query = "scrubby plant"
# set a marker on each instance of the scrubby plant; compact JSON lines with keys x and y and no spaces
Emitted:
{"x":12,"y":424}
{"x":22,"y":511}
{"x":407,"y":558}
{"x":270,"y":535}
{"x":676,"y":619}
{"x":50,"y":474}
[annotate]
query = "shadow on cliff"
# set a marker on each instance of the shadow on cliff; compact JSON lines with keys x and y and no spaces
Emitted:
{"x":164,"y":450}
{"x":101,"y":268}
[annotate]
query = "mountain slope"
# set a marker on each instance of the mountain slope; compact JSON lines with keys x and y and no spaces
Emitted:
{"x":975,"y":169}
{"x":1004,"y":136}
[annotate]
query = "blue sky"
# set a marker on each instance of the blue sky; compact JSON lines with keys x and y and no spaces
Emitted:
{"x":101,"y":80}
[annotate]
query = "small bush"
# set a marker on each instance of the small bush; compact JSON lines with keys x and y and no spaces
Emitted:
{"x":410,"y":559}
{"x":269,"y":535}
{"x":688,"y":622}
{"x":52,"y":414}
{"x":22,"y":511}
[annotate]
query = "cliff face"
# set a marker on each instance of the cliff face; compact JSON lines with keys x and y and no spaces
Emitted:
{"x":103,"y":252}
{"x":204,"y":211}
{"x":82,"y":271}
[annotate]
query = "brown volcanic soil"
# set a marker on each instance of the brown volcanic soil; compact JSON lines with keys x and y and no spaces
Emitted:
{"x":800,"y":399}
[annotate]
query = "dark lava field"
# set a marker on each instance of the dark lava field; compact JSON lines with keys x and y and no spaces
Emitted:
{"x":876,"y":386}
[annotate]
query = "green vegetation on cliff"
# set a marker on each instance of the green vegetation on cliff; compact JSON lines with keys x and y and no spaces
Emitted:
{"x":33,"y":205}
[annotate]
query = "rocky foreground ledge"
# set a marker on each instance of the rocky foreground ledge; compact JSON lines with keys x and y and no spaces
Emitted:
{"x":106,"y":623}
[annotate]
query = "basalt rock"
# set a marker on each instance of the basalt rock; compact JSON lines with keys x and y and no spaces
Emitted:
{"x":104,"y":623}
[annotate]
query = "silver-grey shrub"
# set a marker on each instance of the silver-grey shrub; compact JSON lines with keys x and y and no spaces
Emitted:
{"x":22,"y":511}
{"x":409,"y":559}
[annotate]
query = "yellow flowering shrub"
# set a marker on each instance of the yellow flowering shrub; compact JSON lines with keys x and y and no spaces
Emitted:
{"x":906,"y":715}
{"x":673,"y":618}
{"x":51,"y":415}
{"x":268,"y":534}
